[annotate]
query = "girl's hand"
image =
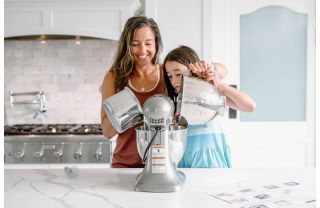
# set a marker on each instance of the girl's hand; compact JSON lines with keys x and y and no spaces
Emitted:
{"x":214,"y":79}
{"x":201,"y":69}
{"x":204,"y":70}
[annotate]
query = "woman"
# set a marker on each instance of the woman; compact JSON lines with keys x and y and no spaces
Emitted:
{"x":206,"y":144}
{"x":136,"y":66}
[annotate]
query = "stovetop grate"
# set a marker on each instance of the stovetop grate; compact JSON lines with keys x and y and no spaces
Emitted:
{"x":53,"y":129}
{"x":20,"y":129}
{"x":87,"y":129}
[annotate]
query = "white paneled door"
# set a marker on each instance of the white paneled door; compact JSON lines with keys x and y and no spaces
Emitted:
{"x":270,"y":50}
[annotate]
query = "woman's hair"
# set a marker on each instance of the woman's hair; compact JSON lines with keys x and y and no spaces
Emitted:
{"x":184,"y":55}
{"x":123,"y":64}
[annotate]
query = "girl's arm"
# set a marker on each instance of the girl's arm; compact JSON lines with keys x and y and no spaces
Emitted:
{"x":236,"y":99}
{"x":221,"y":70}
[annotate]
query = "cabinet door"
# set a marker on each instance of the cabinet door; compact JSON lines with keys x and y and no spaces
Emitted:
{"x":270,"y":50}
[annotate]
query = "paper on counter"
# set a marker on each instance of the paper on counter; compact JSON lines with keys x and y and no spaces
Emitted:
{"x":272,"y":195}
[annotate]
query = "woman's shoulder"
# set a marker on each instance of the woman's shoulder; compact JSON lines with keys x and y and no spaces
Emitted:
{"x":108,"y":83}
{"x":109,"y":77}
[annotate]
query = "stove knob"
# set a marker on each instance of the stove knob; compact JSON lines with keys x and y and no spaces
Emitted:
{"x":78,"y":153}
{"x":98,"y":153}
{"x":22,"y":153}
{"x":39,"y":154}
{"x":58,"y":154}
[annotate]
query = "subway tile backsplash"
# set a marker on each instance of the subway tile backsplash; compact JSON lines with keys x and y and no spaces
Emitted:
{"x":69,"y":74}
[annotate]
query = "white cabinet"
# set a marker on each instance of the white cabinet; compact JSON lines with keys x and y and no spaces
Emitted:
{"x":97,"y":18}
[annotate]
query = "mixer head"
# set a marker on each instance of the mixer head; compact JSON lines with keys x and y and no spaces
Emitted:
{"x":158,"y":111}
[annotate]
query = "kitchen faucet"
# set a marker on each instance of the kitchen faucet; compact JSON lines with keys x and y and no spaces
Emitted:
{"x":39,"y":99}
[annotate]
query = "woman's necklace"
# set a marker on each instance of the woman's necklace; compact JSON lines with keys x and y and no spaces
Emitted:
{"x":143,"y":89}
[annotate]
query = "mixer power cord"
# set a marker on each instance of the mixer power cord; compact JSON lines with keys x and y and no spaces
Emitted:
{"x":150,"y":143}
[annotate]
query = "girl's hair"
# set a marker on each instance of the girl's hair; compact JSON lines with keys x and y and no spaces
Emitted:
{"x":184,"y":55}
{"x":123,"y":64}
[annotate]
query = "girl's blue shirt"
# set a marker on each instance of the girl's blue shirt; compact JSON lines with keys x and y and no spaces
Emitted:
{"x":206,"y":147}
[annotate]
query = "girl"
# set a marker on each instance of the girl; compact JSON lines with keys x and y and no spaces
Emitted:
{"x":206,"y":144}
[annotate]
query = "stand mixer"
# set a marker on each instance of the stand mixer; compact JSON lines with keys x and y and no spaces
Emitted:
{"x":161,"y":145}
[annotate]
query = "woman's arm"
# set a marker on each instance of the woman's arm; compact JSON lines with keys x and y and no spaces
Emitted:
{"x":107,"y":91}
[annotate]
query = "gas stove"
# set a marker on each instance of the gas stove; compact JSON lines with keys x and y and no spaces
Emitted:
{"x":56,"y":143}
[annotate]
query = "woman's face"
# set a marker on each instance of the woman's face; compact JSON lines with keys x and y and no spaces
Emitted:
{"x":143,"y":46}
{"x":175,"y":71}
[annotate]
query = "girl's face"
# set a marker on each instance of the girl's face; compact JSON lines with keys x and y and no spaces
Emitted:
{"x":175,"y":71}
{"x":143,"y":46}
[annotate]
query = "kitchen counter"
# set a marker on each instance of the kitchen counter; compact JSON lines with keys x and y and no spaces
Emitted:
{"x":115,"y":187}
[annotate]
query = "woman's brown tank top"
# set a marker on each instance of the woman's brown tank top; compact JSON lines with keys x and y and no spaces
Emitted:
{"x":126,"y":153}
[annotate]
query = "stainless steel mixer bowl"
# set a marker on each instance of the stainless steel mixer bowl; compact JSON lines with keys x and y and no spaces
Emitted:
{"x":177,"y":141}
{"x":123,"y":110}
{"x":142,"y":139}
{"x":199,"y":101}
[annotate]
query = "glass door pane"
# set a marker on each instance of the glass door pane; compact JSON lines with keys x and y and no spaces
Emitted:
{"x":273,"y":63}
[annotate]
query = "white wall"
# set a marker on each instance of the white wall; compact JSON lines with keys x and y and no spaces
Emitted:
{"x":180,"y":22}
{"x":69,"y":74}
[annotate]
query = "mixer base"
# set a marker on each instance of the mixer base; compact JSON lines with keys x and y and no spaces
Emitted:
{"x":160,"y":183}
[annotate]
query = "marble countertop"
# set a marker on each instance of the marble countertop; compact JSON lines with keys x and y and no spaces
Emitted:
{"x":115,"y":187}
